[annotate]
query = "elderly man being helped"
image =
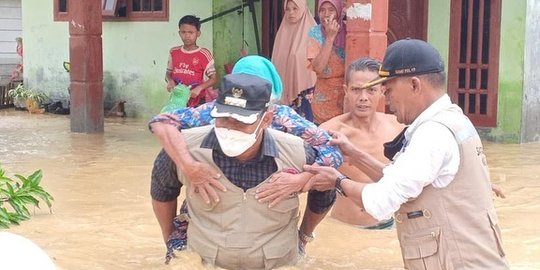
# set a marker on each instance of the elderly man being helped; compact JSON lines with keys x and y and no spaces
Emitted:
{"x":239,"y":232}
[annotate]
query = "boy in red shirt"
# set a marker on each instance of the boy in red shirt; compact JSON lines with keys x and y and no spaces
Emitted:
{"x":189,"y":64}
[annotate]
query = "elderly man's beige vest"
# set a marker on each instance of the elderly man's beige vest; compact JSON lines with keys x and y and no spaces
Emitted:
{"x":239,"y":232}
{"x":454,"y":227}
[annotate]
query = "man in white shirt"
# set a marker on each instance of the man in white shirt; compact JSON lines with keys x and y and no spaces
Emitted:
{"x":437,"y":185}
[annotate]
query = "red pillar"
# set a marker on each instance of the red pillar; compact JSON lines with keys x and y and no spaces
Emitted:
{"x":86,"y":74}
{"x":367,"y":23}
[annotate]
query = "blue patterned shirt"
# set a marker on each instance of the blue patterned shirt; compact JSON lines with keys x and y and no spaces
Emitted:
{"x":285,"y":119}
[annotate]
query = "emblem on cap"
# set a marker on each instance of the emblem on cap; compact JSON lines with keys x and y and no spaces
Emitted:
{"x":236,"y":99}
{"x":237,"y":92}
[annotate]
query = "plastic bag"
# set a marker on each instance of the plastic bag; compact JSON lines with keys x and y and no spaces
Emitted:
{"x":178,"y":99}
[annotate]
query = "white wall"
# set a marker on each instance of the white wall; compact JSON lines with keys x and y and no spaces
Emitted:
{"x":531,"y":87}
{"x":134,"y":54}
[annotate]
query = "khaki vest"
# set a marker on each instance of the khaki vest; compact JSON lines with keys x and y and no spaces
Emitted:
{"x":239,"y":232}
{"x":454,"y":227}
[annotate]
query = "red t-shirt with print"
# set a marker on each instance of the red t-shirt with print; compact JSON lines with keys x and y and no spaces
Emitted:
{"x":190,"y":68}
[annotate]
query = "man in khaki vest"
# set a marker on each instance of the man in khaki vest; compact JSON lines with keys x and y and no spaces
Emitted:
{"x":239,"y":232}
{"x":437,"y":186}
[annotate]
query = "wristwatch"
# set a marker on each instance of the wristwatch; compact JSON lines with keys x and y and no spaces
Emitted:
{"x":306,"y":238}
{"x":339,"y":189}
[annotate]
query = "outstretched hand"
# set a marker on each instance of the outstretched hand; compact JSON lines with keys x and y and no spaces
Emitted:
{"x":204,"y":180}
{"x":341,"y":141}
{"x":324,"y":177}
{"x":280,"y":186}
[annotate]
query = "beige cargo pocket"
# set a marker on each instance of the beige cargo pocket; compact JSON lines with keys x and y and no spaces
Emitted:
{"x":494,"y":222}
{"x":207,"y":252}
{"x":197,"y":202}
{"x":284,"y":211}
{"x":420,"y":251}
{"x":278,"y":256}
{"x":286,"y":205}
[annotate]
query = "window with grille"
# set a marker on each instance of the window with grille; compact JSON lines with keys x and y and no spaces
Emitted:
{"x":60,"y":10}
{"x":131,"y":10}
{"x":473,"y":63}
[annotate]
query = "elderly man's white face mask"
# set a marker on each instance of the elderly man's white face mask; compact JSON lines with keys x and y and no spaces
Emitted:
{"x":234,"y":142}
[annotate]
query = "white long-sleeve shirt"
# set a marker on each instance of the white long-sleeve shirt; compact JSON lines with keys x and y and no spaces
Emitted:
{"x":431,"y":157}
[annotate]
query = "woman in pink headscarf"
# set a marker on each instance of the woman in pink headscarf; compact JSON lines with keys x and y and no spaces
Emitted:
{"x":289,"y":53}
{"x":326,"y":52}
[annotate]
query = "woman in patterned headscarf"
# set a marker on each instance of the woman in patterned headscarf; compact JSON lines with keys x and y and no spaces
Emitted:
{"x":289,"y":53}
{"x":326,"y":52}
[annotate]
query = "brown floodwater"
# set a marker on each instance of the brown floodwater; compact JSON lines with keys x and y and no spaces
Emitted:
{"x":102,"y":216}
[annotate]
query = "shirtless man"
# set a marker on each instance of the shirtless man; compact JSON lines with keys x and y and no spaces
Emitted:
{"x":368,"y":130}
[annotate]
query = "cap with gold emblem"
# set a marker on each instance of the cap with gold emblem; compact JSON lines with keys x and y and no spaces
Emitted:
{"x":243,"y":97}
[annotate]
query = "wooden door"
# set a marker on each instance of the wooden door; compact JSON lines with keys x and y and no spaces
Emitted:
{"x":407,"y":18}
{"x":272,"y":13}
{"x":473,"y":63}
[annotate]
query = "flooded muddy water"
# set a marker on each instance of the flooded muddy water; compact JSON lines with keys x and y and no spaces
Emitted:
{"x":102,"y":216}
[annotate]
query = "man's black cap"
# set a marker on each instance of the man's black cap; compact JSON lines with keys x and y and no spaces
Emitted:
{"x":408,"y":57}
{"x":243,"y":97}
